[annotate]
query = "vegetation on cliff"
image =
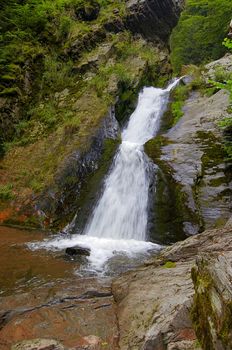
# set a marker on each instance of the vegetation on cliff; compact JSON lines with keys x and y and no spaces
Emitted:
{"x":62,"y":66}
{"x":200,"y":31}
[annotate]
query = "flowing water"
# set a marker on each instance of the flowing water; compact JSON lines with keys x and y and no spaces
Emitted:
{"x":118,"y":224}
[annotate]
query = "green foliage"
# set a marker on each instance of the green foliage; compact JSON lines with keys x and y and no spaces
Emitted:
{"x":176,"y":109}
{"x":117,"y":72}
{"x":6,"y":192}
{"x":200,"y":31}
{"x":56,"y":75}
{"x":227,"y":43}
{"x":179,"y":96}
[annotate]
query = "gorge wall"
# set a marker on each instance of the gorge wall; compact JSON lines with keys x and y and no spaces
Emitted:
{"x":56,"y":96}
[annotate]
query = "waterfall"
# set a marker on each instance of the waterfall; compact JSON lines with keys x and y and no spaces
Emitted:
{"x":121,"y":212}
{"x":118,"y":223}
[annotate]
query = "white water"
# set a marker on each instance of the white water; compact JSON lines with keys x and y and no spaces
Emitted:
{"x":119,"y":220}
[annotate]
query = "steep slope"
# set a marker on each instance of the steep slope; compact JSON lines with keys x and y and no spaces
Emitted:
{"x":57,"y":95}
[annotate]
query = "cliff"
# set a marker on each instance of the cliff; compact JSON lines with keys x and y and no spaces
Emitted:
{"x":58,"y":96}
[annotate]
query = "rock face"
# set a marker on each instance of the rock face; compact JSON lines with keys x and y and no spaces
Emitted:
{"x":155,"y":302}
{"x":192,"y":159}
{"x":196,"y":156}
{"x":62,"y":199}
{"x":224,"y":63}
{"x":193,"y":184}
{"x":38,"y":344}
{"x":159,"y":306}
{"x":153,"y":19}
{"x":212,"y":311}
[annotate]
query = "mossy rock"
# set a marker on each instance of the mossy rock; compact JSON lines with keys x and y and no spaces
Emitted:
{"x":88,"y":10}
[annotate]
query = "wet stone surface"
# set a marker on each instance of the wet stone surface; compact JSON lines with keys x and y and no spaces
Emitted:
{"x":42,"y":299}
{"x":195,"y":156}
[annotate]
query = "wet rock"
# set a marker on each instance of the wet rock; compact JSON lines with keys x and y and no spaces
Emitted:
{"x":62,"y":199}
{"x":38,"y":344}
{"x":193,"y":159}
{"x":77,"y":250}
{"x":74,"y":312}
{"x":212,"y":309}
{"x":155,"y":302}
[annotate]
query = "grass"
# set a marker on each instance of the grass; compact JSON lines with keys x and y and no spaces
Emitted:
{"x":6,"y":192}
{"x":179,"y":96}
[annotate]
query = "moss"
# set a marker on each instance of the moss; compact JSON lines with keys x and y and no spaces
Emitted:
{"x":169,"y":265}
{"x":153,"y":147}
{"x":204,"y":316}
{"x":170,"y":200}
{"x":6,"y":192}
{"x":225,"y":333}
{"x":201,"y":29}
{"x":202,"y":307}
{"x":214,"y":154}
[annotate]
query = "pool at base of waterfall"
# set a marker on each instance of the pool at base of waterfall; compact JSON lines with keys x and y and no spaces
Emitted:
{"x":32,"y":259}
{"x":107,"y":256}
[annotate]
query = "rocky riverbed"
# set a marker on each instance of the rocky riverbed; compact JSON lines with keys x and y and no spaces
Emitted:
{"x":183,"y":291}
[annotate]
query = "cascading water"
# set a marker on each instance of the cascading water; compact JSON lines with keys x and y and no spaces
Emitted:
{"x":119,"y":220}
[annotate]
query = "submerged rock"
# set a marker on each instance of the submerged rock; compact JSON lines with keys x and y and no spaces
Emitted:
{"x":78,"y":250}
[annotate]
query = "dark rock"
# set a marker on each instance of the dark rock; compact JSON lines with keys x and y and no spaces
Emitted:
{"x":153,"y":18}
{"x":78,"y":250}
